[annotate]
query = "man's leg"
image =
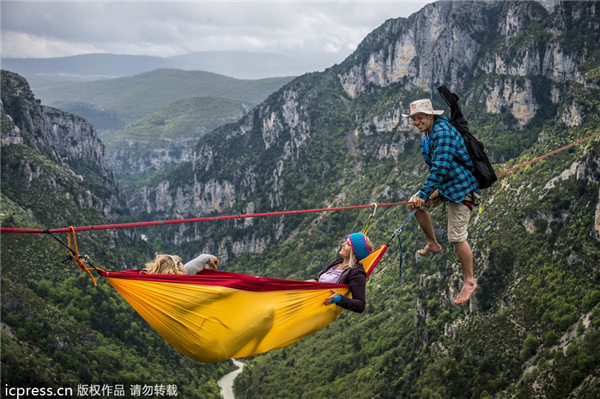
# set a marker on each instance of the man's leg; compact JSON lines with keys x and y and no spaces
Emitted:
{"x":465,"y":256}
{"x":426,"y":224}
{"x":458,"y":221}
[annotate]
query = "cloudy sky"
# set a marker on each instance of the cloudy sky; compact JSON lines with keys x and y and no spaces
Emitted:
{"x":332,"y":30}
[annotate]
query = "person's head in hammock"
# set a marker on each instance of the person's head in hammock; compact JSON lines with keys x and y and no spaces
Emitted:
{"x":171,"y":264}
{"x":349,"y":270}
{"x":357,"y":247}
{"x":164,"y":264}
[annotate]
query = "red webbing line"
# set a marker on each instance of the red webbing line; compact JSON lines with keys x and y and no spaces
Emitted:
{"x":545,"y":155}
{"x":205,"y":219}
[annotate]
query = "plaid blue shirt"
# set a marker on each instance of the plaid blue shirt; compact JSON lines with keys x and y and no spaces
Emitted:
{"x":453,"y":181}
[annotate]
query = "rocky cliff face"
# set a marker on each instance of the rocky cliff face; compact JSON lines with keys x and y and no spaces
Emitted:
{"x":438,"y":44}
{"x":443,"y":44}
{"x":66,"y":139}
{"x":447,"y":42}
{"x":125,"y":158}
{"x":285,"y":127}
{"x":66,"y":136}
{"x":201,"y":198}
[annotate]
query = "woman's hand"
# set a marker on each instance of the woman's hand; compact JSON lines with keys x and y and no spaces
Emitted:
{"x":334,"y":298}
{"x":215,"y":263}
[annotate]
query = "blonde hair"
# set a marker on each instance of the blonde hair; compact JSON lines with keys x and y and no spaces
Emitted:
{"x":163,"y":264}
{"x":353,"y":262}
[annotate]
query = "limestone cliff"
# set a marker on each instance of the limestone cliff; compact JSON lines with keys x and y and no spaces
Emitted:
{"x":125,"y":158}
{"x":447,"y":42}
{"x":66,"y":139}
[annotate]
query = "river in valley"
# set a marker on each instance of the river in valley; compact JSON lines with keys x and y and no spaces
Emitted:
{"x":226,"y":382}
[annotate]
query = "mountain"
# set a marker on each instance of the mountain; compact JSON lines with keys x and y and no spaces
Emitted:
{"x":63,"y":139}
{"x":167,"y":138}
{"x":89,"y":67}
{"x":58,"y":330}
{"x":528,"y":76}
{"x":134,"y":97}
{"x":158,"y":113}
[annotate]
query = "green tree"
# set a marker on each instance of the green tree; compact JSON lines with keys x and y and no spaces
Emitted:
{"x":530,"y":346}
{"x":576,"y":378}
{"x":550,"y":339}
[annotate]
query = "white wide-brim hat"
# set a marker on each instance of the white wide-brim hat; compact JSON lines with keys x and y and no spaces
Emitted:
{"x":422,"y":106}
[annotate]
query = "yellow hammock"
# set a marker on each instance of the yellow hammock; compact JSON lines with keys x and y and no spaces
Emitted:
{"x":216,"y":315}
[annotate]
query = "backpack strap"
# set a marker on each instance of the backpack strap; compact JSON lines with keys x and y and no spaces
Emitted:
{"x":463,"y":164}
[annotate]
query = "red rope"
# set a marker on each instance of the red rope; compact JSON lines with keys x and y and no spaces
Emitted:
{"x":255,"y":215}
{"x":550,"y":153}
{"x":177,"y":221}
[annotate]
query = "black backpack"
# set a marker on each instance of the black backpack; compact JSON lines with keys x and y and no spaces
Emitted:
{"x":482,"y":168}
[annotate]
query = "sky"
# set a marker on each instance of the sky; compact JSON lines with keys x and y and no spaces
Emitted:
{"x":328,"y":30}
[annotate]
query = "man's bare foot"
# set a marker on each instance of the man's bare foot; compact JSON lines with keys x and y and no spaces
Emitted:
{"x":466,"y":292}
{"x":430,"y":248}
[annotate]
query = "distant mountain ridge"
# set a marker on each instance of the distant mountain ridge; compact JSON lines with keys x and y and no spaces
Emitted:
{"x":88,"y":67}
{"x":133,"y":97}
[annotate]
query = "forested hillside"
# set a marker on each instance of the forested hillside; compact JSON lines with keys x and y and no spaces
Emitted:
{"x":527,"y":75}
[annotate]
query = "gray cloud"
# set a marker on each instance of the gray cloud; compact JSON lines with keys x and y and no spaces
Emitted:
{"x":53,"y":29}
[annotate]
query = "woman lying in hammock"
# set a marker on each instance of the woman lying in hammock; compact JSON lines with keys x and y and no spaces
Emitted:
{"x":349,"y":270}
{"x":169,"y":264}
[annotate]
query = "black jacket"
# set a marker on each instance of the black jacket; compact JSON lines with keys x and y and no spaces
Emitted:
{"x":357,"y":280}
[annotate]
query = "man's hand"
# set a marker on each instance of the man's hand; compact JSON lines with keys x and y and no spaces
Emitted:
{"x":418,"y":202}
{"x":435,"y":196}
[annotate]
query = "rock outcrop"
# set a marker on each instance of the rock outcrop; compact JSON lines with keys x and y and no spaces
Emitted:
{"x":442,"y":44}
{"x":131,"y":157}
{"x":64,"y":138}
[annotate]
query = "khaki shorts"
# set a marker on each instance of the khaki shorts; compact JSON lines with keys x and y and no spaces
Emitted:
{"x":458,"y":216}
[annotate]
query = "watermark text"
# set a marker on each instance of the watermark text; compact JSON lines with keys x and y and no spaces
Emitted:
{"x":93,"y":390}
